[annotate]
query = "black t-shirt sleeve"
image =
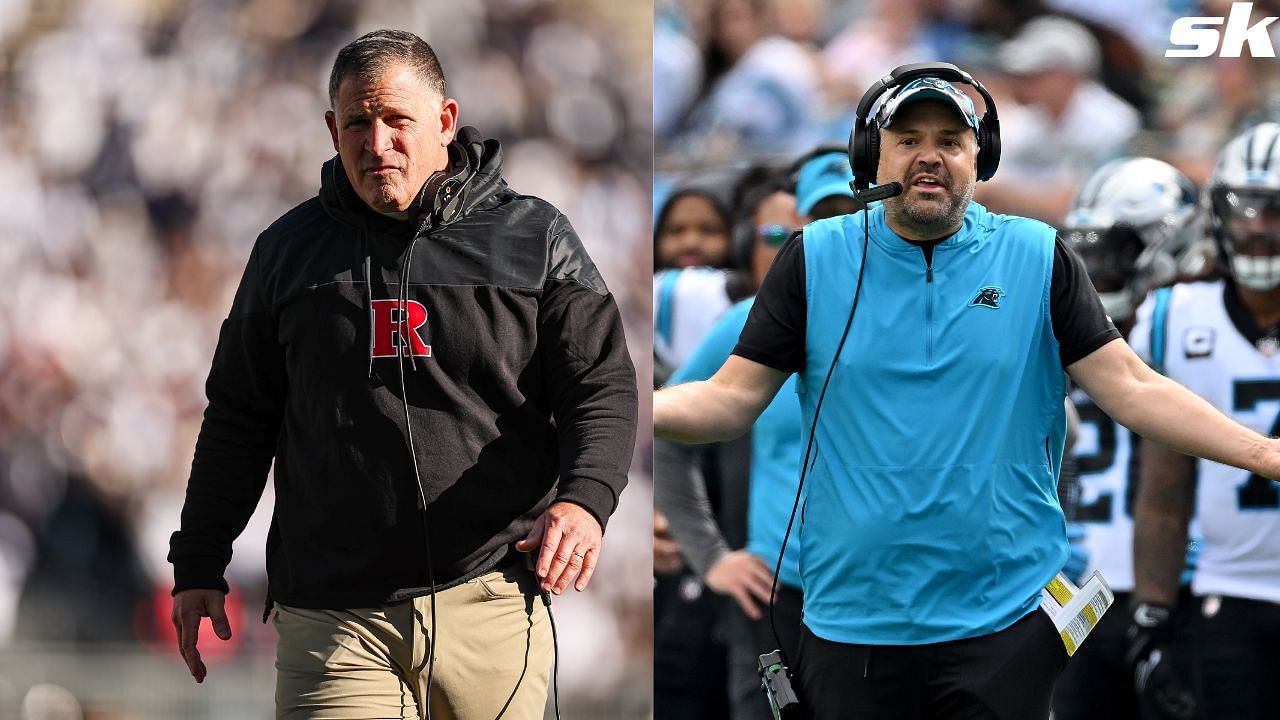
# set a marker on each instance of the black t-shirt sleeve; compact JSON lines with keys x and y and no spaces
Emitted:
{"x":1079,"y":322}
{"x":774,"y":333}
{"x":775,"y":329}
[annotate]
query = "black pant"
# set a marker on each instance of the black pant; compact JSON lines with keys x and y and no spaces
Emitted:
{"x":787,"y":615}
{"x":688,"y":660}
{"x":1007,"y":675}
{"x":1099,"y":685}
{"x":1238,"y":656}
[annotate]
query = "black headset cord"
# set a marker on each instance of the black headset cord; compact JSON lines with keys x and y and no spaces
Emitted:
{"x":417,"y":476}
{"x":422,"y":496}
{"x":804,"y":466}
{"x":555,"y":652}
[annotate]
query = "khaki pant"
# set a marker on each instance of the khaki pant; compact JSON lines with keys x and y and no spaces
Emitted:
{"x":492,"y":653}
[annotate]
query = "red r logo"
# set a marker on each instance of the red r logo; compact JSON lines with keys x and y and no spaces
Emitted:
{"x":389,"y":325}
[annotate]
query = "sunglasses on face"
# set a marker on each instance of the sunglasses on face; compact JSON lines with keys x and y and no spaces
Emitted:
{"x":774,"y":235}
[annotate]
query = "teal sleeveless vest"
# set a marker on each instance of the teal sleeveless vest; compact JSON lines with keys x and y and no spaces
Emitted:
{"x":932,"y":510}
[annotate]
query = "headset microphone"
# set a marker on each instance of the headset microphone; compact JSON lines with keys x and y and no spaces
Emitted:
{"x":879,"y":192}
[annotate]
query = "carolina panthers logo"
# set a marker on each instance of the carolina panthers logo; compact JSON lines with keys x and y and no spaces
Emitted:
{"x":988,"y":296}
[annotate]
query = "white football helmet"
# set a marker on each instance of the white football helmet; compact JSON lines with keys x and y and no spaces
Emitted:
{"x":1244,"y":207}
{"x":1131,"y":223}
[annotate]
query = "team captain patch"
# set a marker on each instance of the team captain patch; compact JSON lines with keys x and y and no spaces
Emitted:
{"x":1197,"y":342}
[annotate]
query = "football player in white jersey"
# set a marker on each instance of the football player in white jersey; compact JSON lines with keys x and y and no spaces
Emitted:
{"x":1131,"y":222}
{"x":1220,"y":339}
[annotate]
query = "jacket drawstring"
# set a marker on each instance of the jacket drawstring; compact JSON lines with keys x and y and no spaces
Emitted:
{"x":368,"y":294}
{"x":402,"y":303}
{"x":401,"y":351}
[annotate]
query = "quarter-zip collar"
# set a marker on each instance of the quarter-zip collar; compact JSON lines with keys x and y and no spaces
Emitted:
{"x":975,"y":218}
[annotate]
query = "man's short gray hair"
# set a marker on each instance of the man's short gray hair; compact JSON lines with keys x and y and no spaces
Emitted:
{"x":367,"y":56}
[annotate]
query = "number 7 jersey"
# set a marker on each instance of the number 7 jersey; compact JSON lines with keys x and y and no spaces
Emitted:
{"x":1218,"y":354}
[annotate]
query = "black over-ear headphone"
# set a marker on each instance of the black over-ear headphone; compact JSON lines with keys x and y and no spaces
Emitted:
{"x":864,"y":141}
{"x":441,"y":196}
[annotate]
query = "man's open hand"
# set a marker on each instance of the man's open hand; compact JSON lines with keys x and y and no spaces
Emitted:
{"x":569,"y":538}
{"x":188,"y":607}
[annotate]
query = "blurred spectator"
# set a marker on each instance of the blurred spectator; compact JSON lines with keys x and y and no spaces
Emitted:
{"x":51,"y":702}
{"x":666,"y":553}
{"x":1145,"y":23}
{"x":677,"y":69}
{"x":1066,"y":124}
{"x":801,"y":21}
{"x":823,"y":189}
{"x":693,"y":283}
{"x":17,"y":551}
{"x":692,"y":230}
{"x":893,"y":33}
{"x":1123,"y":69}
{"x":759,"y":87}
{"x":1002,"y":18}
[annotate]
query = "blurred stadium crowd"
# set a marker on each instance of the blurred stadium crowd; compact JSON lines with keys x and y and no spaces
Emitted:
{"x":143,"y":145}
{"x":737,"y":78}
{"x":745,"y":90}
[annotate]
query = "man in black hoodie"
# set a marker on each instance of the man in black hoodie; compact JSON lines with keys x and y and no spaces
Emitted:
{"x":440,"y":375}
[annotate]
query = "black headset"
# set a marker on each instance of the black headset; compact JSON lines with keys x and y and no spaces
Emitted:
{"x":441,"y":197}
{"x":864,"y":141}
